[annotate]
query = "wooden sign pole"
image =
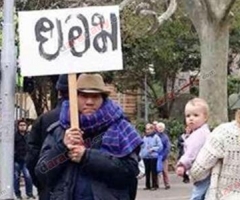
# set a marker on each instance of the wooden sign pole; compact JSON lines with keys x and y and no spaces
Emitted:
{"x":72,"y":85}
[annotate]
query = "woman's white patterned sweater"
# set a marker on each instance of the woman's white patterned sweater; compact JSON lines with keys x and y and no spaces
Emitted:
{"x":220,"y":156}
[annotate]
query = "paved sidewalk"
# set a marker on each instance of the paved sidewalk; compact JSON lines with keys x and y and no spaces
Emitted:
{"x":178,"y":190}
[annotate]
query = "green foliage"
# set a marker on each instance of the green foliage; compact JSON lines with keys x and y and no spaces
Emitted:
{"x":174,"y":128}
{"x":140,"y":126}
{"x":233,"y":85}
{"x":234,"y":41}
{"x":176,"y":48}
{"x":171,"y":49}
{"x":194,"y":90}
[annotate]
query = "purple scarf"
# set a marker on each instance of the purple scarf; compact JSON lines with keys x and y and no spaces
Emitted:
{"x":119,"y":138}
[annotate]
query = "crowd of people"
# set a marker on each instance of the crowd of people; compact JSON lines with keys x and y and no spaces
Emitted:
{"x":102,"y":158}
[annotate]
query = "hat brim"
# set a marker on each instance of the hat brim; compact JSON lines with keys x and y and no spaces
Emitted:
{"x":92,"y":91}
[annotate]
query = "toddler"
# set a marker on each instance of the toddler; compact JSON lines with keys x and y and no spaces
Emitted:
{"x":196,"y":115}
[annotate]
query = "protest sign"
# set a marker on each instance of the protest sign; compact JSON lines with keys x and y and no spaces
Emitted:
{"x":70,"y":41}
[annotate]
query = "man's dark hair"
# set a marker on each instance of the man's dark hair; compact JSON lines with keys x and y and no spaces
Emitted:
{"x":105,"y":96}
{"x":64,"y":94}
{"x":21,"y":121}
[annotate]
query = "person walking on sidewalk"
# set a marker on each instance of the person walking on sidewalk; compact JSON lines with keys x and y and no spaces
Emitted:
{"x":20,"y":151}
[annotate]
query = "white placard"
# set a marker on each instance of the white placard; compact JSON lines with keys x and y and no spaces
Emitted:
{"x":68,"y":41}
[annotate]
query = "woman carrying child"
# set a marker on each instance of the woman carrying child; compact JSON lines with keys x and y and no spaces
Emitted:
{"x":196,"y":116}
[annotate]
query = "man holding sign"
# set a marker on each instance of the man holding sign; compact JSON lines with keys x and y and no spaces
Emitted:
{"x":98,"y":160}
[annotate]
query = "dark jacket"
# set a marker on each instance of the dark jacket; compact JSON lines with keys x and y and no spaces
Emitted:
{"x":166,"y":145}
{"x":180,"y":145}
{"x":35,"y":141}
{"x":20,"y":147}
{"x":111,"y":178}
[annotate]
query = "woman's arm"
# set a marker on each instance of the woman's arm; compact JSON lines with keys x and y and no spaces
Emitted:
{"x":158,"y":144}
{"x":143,"y":150}
{"x":208,"y":156}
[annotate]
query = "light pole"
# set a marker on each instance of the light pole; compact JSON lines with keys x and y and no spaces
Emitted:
{"x":146,"y":105}
{"x":146,"y":98}
{"x":7,"y":92}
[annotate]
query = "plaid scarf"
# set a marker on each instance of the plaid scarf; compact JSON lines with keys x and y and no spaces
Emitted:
{"x":119,"y":138}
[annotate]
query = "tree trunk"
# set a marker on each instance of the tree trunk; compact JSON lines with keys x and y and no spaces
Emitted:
{"x":214,"y":40}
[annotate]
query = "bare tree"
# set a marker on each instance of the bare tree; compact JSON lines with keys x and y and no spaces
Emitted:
{"x":211,"y":21}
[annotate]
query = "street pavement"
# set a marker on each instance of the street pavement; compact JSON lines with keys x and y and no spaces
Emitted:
{"x":178,"y":190}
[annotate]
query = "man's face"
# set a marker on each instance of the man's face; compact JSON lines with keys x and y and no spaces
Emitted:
{"x":88,"y":103}
{"x":22,"y":127}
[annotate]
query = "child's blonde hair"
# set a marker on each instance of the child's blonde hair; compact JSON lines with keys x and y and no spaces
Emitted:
{"x":199,"y":102}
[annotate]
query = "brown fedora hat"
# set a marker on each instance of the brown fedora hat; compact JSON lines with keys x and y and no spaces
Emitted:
{"x":91,"y":83}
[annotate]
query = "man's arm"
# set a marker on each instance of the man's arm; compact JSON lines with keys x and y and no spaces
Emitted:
{"x":34,"y":147}
{"x":53,"y":158}
{"x":116,"y":172}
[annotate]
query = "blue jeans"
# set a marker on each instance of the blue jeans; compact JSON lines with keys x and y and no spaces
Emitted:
{"x":18,"y":168}
{"x":200,"y":188}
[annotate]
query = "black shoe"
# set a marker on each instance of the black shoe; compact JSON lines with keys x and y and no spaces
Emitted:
{"x":31,"y":196}
{"x":146,"y":188}
{"x":167,"y":187}
{"x":19,"y":197}
{"x":186,"y":180}
{"x":155,"y":188}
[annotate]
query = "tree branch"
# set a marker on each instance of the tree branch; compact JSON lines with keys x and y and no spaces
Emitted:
{"x":209,"y":8}
{"x":168,"y":13}
{"x":75,"y":5}
{"x":38,"y":3}
{"x":198,"y":14}
{"x":147,"y":10}
{"x":227,"y":9}
{"x":55,"y":5}
{"x":219,"y":9}
{"x":124,"y":3}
